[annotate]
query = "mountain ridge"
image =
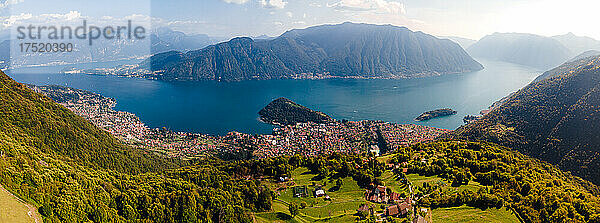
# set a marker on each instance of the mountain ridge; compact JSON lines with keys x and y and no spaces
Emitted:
{"x":554,"y":118}
{"x":521,"y":48}
{"x":341,"y":50}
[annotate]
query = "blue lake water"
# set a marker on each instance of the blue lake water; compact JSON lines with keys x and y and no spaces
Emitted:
{"x":217,"y":108}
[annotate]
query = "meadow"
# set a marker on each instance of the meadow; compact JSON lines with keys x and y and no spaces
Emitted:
{"x":13,"y":210}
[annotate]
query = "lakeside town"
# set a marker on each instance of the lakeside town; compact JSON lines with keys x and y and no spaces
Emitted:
{"x":309,"y":139}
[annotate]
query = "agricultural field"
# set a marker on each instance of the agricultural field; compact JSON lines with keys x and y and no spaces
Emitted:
{"x":345,"y":201}
{"x":13,"y":210}
{"x":470,"y":214}
{"x":342,"y":206}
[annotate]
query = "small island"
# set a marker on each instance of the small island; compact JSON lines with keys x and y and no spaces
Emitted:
{"x":283,"y":111}
{"x":435,"y":113}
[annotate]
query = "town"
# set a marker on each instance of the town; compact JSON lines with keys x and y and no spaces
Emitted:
{"x":308,"y":139}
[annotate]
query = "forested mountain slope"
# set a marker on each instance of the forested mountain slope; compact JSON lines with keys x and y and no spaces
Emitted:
{"x":75,"y":172}
{"x":556,"y":118}
{"x":342,"y":50}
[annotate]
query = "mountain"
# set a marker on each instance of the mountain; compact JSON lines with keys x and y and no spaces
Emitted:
{"x":37,"y":121}
{"x":73,"y":171}
{"x":286,"y":112}
{"x":577,"y":44}
{"x":4,"y":54}
{"x":589,"y":53}
{"x":343,"y":50}
{"x":465,"y":43}
{"x":579,"y":61}
{"x":555,"y":118}
{"x":157,"y":41}
{"x":263,"y":37}
{"x":520,"y":48}
{"x":164,"y":39}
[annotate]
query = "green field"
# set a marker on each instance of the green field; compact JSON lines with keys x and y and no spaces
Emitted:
{"x":342,"y":206}
{"x":470,"y":214}
{"x":12,"y":210}
{"x":345,"y":201}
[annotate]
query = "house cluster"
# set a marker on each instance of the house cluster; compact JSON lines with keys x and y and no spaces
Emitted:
{"x":400,"y":207}
{"x":403,"y":167}
{"x":380,"y":194}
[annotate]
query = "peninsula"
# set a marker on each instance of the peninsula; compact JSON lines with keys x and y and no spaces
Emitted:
{"x":435,"y":113}
{"x":283,"y":111}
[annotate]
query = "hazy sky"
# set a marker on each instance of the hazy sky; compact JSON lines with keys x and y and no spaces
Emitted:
{"x":226,"y":18}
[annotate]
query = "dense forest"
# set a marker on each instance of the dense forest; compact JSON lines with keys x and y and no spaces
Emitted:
{"x":286,"y":112}
{"x":75,"y":172}
{"x":556,"y":118}
{"x":537,"y":191}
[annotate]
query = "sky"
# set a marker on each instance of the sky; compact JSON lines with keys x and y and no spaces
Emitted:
{"x":229,"y":18}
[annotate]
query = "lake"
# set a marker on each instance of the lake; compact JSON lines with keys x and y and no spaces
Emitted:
{"x":217,"y":108}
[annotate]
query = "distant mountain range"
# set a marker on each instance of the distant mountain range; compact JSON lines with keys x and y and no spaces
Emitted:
{"x":343,"y":50}
{"x":160,"y":40}
{"x":589,"y":53}
{"x":463,"y":42}
{"x":577,"y":44}
{"x":531,"y":50}
{"x":556,"y":118}
{"x":165,"y":39}
{"x":567,"y":67}
{"x":520,"y":48}
{"x":4,"y":53}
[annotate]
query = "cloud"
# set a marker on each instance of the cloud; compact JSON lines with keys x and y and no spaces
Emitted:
{"x":378,"y":6}
{"x":273,"y":4}
{"x":314,"y":4}
{"x":239,"y":2}
{"x":6,"y":3}
{"x":277,"y":4}
{"x":11,"y":20}
{"x":71,"y":18}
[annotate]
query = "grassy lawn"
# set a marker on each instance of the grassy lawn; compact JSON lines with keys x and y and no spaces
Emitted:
{"x":390,"y":181}
{"x":470,"y":214}
{"x":418,"y":180}
{"x":342,"y":206}
{"x":345,"y":201}
{"x":12,"y":210}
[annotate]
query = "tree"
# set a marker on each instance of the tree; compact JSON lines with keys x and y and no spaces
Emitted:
{"x":294,"y":209}
{"x":303,"y":204}
{"x":339,"y":183}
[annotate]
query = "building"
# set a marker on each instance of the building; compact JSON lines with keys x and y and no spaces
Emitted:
{"x":378,"y":194}
{"x":300,"y":191}
{"x":399,"y":209}
{"x":394,"y":198}
{"x":319,"y":192}
{"x":374,"y":149}
{"x":363,"y":207}
{"x":419,"y":219}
